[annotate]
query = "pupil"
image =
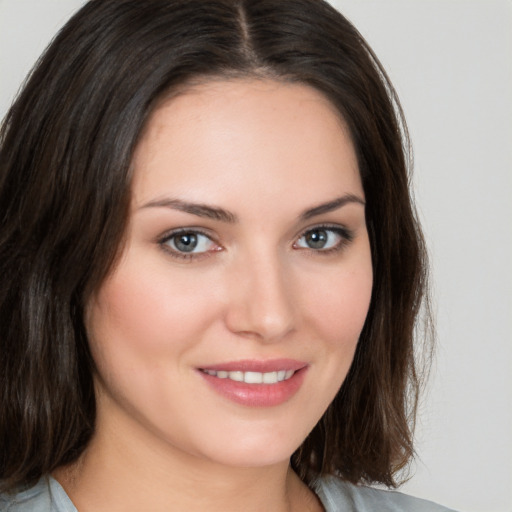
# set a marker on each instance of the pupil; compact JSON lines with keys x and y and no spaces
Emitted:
{"x":316,"y":239}
{"x":186,"y":242}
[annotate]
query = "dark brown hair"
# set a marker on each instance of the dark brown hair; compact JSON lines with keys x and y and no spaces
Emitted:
{"x":66,"y":147}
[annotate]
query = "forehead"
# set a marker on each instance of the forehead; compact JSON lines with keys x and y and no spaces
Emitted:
{"x":247,"y":137}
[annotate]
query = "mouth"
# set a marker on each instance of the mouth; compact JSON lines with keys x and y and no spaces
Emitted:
{"x":256,"y":383}
{"x":252,"y":377}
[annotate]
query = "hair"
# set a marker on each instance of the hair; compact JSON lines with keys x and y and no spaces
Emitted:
{"x":65,"y":174}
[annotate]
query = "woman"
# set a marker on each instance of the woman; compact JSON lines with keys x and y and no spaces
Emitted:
{"x":212,"y":265}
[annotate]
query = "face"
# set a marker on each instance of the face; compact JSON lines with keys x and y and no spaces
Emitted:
{"x":231,"y":319}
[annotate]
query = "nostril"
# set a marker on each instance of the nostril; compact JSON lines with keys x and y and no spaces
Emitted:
{"x":263,"y":319}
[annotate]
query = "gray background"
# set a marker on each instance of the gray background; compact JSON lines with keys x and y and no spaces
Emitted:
{"x":451,"y":63}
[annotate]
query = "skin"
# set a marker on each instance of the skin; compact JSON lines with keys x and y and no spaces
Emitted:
{"x":265,"y":152}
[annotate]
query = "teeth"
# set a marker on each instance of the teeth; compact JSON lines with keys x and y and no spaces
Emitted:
{"x":269,"y":378}
{"x":253,"y":377}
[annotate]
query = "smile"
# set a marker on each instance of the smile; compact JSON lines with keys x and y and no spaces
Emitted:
{"x":252,"y":377}
{"x":254,"y":383}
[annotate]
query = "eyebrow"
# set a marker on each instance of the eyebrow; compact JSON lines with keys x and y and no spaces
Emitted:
{"x":199,"y":209}
{"x":216,"y":213}
{"x":331,"y":206}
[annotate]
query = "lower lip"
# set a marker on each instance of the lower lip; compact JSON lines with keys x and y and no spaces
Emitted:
{"x":257,"y":395}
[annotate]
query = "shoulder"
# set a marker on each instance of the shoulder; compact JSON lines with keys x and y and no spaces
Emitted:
{"x":46,"y":496}
{"x":337,"y":495}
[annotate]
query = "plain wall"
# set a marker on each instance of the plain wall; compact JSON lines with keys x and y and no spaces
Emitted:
{"x":450,"y":61}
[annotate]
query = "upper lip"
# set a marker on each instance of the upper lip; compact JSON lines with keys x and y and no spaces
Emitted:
{"x":254,"y":365}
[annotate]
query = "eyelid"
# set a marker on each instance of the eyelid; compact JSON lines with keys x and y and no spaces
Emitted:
{"x":163,"y":240}
{"x":346,"y":234}
{"x":342,"y":231}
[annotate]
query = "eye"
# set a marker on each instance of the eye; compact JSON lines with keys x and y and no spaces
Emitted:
{"x":188,"y":243}
{"x":324,"y":238}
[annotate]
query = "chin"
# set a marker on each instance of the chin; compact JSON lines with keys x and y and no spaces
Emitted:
{"x":253,"y":447}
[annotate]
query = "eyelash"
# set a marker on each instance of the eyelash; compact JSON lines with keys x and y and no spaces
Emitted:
{"x":346,"y":236}
{"x":166,"y":238}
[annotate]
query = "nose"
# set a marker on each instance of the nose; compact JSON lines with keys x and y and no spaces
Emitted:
{"x":261,"y":301}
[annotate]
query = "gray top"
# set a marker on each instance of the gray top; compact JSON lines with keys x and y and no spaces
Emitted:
{"x":336,"y":496}
{"x":339,"y":496}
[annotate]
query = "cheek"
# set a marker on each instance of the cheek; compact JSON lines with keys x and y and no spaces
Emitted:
{"x":335,"y":310}
{"x":338,"y":309}
{"x":144,"y":328}
{"x":141,"y":320}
